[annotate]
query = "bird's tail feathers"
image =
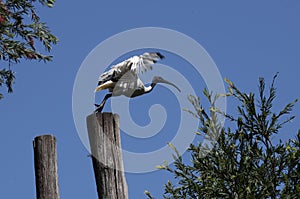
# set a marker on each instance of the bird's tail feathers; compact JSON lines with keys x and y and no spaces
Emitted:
{"x":105,"y":85}
{"x":98,"y":88}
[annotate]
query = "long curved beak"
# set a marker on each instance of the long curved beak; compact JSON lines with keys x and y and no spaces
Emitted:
{"x":170,"y":83}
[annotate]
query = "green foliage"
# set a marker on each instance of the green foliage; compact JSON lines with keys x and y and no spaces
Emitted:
{"x":244,"y":163}
{"x":7,"y":78}
{"x":21,"y":30}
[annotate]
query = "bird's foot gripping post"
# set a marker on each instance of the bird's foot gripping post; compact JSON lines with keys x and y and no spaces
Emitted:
{"x":105,"y":144}
{"x":99,"y":108}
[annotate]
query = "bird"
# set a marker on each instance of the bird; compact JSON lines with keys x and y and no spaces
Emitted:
{"x":123,"y":79}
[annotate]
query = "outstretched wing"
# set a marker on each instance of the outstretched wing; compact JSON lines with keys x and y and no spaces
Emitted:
{"x":133,"y":65}
{"x":146,"y":61}
{"x":115,"y":73}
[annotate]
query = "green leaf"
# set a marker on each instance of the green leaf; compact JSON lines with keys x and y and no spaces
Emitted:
{"x":20,"y":35}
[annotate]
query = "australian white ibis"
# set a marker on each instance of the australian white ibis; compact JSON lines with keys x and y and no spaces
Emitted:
{"x":122,"y":78}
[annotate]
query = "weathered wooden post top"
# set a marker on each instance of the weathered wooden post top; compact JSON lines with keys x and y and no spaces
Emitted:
{"x":45,"y":163}
{"x":105,"y":144}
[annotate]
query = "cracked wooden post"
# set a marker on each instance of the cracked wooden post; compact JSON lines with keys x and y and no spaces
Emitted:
{"x":45,"y":164}
{"x":105,"y":144}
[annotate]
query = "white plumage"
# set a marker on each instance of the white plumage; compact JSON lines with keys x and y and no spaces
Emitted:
{"x":122,"y":78}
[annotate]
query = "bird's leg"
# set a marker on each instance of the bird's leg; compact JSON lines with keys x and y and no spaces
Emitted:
{"x":100,"y":107}
{"x":104,"y":100}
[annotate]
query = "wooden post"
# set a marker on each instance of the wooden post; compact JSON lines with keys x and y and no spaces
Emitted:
{"x":105,"y":143}
{"x":45,"y":163}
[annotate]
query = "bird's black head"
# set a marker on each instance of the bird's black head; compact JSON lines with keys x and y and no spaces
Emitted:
{"x":158,"y":79}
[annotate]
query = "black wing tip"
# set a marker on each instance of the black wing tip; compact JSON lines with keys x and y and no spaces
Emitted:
{"x":160,"y":55}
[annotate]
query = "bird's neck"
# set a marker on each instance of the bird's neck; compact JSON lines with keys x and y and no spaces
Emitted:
{"x":150,"y":88}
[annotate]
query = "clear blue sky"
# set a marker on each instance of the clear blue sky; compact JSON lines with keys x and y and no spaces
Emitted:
{"x":245,"y":39}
